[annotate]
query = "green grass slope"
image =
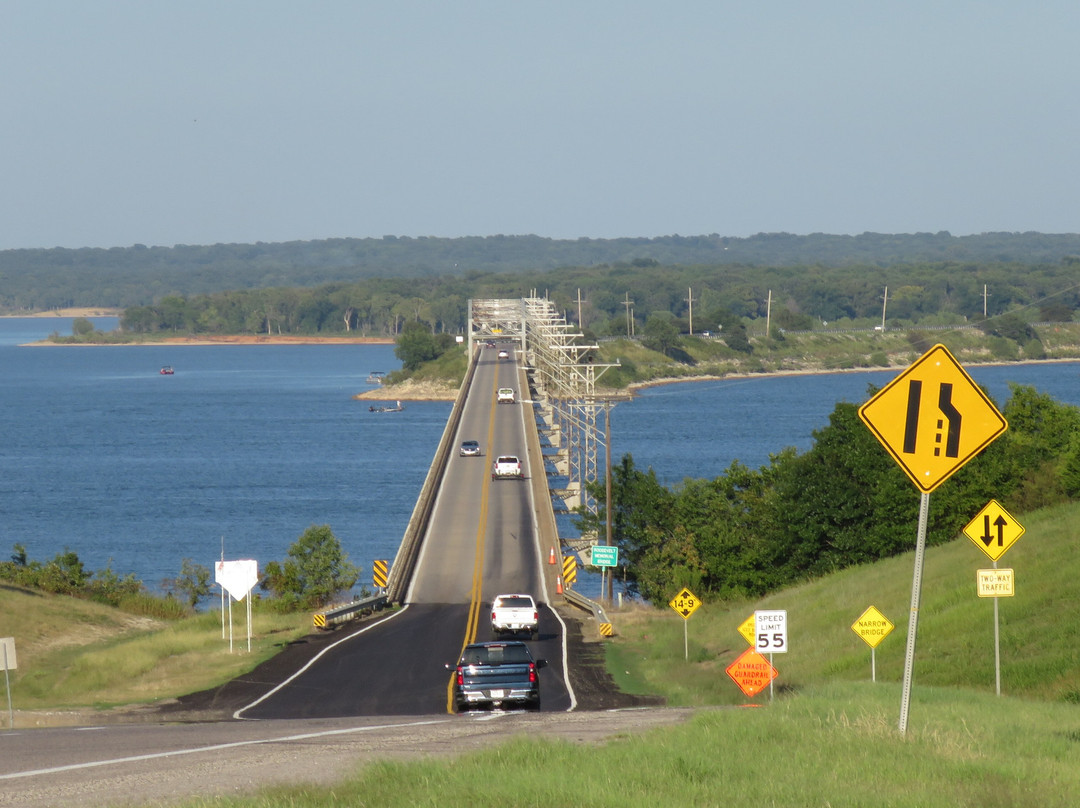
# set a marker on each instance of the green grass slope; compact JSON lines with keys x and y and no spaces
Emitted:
{"x":1039,"y":626}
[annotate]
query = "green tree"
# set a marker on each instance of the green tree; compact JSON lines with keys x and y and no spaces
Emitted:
{"x":660,"y":335}
{"x":81,"y":327}
{"x":317,"y":570}
{"x":415,"y":346}
{"x":193,"y":582}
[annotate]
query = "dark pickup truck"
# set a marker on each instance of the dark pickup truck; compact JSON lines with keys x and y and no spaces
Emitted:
{"x":494,"y":674}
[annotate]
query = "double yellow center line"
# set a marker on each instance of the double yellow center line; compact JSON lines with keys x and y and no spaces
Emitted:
{"x":476,"y":590}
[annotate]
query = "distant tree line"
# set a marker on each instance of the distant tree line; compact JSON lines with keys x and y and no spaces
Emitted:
{"x":140,"y":275}
{"x":617,"y":300}
{"x":842,"y":503}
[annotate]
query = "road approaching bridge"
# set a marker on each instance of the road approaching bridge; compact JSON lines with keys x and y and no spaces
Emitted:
{"x":482,"y":539}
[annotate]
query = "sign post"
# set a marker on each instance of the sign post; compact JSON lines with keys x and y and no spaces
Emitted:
{"x":932,"y":419}
{"x":8,"y":658}
{"x":993,"y":530}
{"x":685,"y":603}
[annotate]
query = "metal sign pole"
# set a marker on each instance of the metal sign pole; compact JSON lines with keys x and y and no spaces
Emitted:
{"x":686,"y":640}
{"x":913,"y":618}
{"x":7,"y":684}
{"x":873,"y":665}
{"x":997,"y":647}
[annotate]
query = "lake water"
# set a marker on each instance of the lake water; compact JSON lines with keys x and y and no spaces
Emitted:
{"x":247,"y":446}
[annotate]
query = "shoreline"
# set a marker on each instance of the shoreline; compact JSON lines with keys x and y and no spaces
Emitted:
{"x":237,"y":339}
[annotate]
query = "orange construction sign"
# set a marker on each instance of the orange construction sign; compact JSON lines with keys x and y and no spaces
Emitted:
{"x":751,"y":672}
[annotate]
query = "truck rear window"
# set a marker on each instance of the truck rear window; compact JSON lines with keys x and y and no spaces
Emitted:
{"x":496,"y":655}
{"x":513,"y":603}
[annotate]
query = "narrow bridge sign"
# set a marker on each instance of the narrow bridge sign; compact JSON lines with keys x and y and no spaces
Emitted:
{"x":932,"y":418}
{"x":872,"y":626}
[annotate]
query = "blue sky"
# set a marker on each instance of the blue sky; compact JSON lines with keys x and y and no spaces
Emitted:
{"x":196,"y":122}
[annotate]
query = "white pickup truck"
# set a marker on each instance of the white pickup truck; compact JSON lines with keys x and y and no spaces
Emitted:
{"x":507,"y":466}
{"x":514,"y":614}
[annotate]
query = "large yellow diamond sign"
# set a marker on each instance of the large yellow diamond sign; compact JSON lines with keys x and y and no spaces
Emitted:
{"x":932,"y":418}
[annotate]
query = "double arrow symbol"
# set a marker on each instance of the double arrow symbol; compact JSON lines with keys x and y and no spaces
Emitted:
{"x":1000,"y":523}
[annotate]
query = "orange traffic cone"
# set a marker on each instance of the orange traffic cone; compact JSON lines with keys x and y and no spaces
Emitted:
{"x":551,"y":556}
{"x":558,"y":584}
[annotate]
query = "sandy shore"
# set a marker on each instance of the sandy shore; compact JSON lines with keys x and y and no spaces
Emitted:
{"x":70,"y":313}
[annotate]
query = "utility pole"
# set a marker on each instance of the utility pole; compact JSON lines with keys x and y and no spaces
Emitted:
{"x":984,"y":301}
{"x":690,"y":302}
{"x":884,"y":303}
{"x":580,"y":324}
{"x":768,"y":314}
{"x":628,"y":304}
{"x":607,"y":490}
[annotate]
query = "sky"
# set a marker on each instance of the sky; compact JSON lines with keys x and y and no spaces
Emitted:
{"x":194,"y":122}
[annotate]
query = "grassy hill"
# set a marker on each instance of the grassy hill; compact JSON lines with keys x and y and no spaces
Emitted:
{"x":1039,"y":632}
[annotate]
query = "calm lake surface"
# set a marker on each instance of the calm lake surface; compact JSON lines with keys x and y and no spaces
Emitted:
{"x":248,"y":446}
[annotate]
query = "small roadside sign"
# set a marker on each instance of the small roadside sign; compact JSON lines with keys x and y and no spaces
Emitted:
{"x":995,"y":583}
{"x":747,"y":627}
{"x":872,"y":626}
{"x":751,"y":672}
{"x":685,"y":603}
{"x":993,"y":530}
{"x":932,"y":418}
{"x":770,"y":629}
{"x":7,"y":653}
{"x":604,"y":555}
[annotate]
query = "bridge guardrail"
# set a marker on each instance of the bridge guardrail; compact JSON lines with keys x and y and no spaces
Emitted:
{"x":604,"y":625}
{"x":335,"y":615}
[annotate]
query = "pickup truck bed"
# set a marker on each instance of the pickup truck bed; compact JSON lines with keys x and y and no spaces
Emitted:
{"x":494,"y":674}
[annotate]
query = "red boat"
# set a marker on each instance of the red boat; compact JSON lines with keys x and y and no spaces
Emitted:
{"x":167,"y":371}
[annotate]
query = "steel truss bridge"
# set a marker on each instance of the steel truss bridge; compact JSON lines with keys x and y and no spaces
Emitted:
{"x":563,"y":377}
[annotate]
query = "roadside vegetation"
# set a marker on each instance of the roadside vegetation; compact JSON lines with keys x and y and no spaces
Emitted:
{"x":96,"y":639}
{"x":828,"y":734}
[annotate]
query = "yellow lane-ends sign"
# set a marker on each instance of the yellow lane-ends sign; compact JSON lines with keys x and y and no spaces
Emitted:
{"x":932,"y":418}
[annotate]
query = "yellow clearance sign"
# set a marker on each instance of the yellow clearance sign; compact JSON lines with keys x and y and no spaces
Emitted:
{"x":932,"y":418}
{"x":685,"y":603}
{"x":872,"y":626}
{"x":994,"y":530}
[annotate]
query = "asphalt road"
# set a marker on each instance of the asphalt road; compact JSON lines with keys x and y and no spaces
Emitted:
{"x":482,"y":542}
{"x":369,"y":691}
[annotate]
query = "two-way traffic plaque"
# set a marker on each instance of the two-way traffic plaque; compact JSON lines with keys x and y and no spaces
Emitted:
{"x":932,"y":418}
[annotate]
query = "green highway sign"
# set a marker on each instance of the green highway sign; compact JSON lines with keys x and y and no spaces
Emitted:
{"x":605,"y":556}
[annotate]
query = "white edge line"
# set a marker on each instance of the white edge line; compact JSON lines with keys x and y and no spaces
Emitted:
{"x":540,"y":577}
{"x":239,"y":713}
{"x":215,"y":747}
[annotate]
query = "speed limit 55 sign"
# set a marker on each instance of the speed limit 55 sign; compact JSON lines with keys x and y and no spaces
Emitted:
{"x":770,"y":631}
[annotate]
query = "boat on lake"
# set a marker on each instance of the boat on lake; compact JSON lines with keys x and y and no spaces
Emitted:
{"x":387,"y":408}
{"x":376,"y":377}
{"x":167,"y":371}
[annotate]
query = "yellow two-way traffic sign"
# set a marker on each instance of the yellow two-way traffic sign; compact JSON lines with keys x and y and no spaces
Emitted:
{"x":932,"y":418}
{"x":994,"y":530}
